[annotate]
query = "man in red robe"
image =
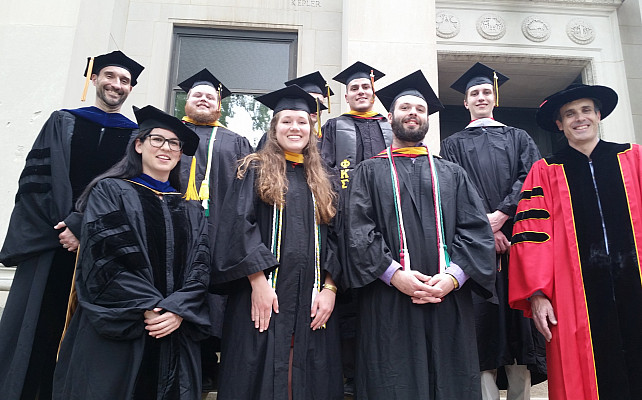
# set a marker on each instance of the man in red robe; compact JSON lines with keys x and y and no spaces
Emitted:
{"x":575,"y":265}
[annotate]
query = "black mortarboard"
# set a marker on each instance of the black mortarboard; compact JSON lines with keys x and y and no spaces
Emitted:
{"x":547,"y":113}
{"x":414,"y":84}
{"x":116,"y":58}
{"x":205,"y":77}
{"x":151,"y":117}
{"x":312,"y":83}
{"x":290,"y":98}
{"x":358,"y":70}
{"x":478,"y":74}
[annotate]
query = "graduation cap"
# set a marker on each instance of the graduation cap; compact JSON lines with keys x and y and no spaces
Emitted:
{"x":414,"y":84}
{"x":151,"y":117}
{"x":115,"y":58}
{"x":205,"y":77}
{"x":547,"y":112}
{"x":480,"y":74}
{"x":358,"y":70}
{"x":312,"y":83}
{"x":291,"y":98}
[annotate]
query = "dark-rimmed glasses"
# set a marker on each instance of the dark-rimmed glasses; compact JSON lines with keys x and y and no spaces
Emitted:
{"x":159,"y":141}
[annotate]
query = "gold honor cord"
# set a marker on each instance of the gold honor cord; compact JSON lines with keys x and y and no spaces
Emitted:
{"x":329,"y":102}
{"x":496,"y":89}
{"x":90,"y":68}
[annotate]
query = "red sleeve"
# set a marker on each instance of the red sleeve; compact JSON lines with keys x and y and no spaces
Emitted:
{"x":532,"y":253}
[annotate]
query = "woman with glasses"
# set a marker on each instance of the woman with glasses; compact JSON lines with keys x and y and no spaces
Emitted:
{"x":275,"y":259}
{"x":141,"y":277}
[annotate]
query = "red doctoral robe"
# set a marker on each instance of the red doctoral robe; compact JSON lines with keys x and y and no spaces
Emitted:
{"x":576,"y":238}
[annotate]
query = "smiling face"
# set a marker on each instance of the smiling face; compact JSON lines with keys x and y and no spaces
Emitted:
{"x":113,"y":85}
{"x":359,"y":94}
{"x":293,"y":130}
{"x":579,"y":120}
{"x":202,"y":104}
{"x":158,"y":162}
{"x":480,"y":101}
{"x":409,"y":120}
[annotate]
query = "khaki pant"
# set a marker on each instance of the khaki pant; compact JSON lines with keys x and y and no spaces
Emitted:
{"x":519,"y":383}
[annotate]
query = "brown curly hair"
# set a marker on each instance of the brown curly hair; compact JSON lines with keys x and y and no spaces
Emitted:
{"x":271,"y":182}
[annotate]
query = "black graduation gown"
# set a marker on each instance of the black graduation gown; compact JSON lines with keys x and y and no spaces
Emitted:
{"x":229,"y":147}
{"x":370,"y":140}
{"x":137,"y":252}
{"x":408,"y":351}
{"x":497,"y":160}
{"x":255,"y":365}
{"x":69,"y":151}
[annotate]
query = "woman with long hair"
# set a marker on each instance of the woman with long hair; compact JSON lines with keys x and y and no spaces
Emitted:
{"x":141,"y":277}
{"x":275,"y":257}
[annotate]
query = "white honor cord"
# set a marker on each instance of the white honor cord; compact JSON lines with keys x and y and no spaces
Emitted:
{"x":404,"y":249}
{"x":440,"y":230}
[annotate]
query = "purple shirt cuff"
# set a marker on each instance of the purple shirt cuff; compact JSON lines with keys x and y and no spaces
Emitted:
{"x":387,"y":276}
{"x":459,"y":274}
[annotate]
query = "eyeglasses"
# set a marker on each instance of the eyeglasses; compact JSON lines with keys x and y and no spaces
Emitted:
{"x":159,"y":141}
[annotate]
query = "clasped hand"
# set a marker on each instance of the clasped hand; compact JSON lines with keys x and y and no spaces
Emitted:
{"x":422,"y":288}
{"x":161,"y":324}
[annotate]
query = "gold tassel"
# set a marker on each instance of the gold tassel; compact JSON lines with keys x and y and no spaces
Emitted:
{"x":318,"y":121}
{"x":220,"y":101}
{"x":329,"y":102}
{"x":372,"y":85}
{"x":496,"y":89}
{"x":191,"y":193}
{"x":90,"y":69}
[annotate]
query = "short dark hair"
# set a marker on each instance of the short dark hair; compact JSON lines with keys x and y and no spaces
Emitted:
{"x":597,"y":106}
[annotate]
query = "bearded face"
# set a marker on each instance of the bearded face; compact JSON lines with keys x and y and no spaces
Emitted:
{"x":202,"y":104}
{"x":409,"y":127}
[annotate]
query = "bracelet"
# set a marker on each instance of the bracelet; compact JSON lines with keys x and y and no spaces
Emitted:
{"x":455,"y":281}
{"x":330,"y":287}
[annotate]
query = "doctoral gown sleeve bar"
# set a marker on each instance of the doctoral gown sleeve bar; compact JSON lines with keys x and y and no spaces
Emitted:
{"x":112,"y":278}
{"x":531,"y":235}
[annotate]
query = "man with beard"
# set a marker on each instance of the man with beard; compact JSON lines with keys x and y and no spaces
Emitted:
{"x":73,"y":147}
{"x":416,"y":325}
{"x":497,"y":159}
{"x":212,"y":170}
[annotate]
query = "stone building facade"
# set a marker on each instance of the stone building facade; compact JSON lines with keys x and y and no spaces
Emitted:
{"x":255,"y":45}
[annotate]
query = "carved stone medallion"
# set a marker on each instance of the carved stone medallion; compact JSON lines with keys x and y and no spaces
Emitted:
{"x":491,"y":26}
{"x":580,"y":31}
{"x":448,"y":25}
{"x":536,"y":29}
